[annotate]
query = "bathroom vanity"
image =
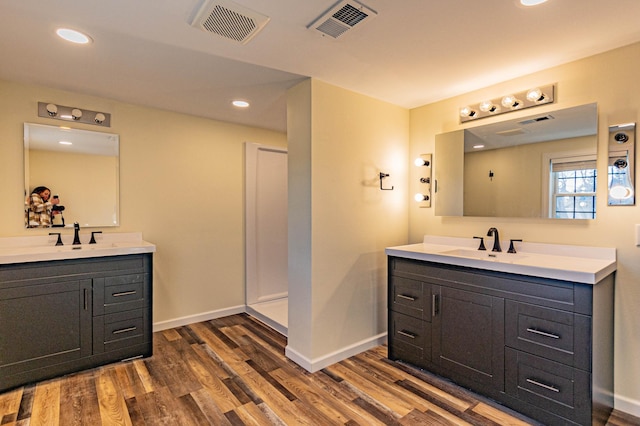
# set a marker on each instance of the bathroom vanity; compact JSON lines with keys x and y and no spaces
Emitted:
{"x":68,"y":308}
{"x":531,"y":330}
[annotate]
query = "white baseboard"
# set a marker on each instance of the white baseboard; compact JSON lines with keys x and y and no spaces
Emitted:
{"x":326,"y":360}
{"x":205,"y":316}
{"x":627,"y":405}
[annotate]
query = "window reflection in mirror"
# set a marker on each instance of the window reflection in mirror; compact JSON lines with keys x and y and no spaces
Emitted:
{"x":80,"y":167}
{"x":542,"y":166}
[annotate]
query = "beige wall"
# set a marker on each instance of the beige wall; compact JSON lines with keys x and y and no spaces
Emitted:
{"x":337,"y":282}
{"x":86,"y":201}
{"x":611,"y":80}
{"x":181,"y":180}
{"x":516,"y":188}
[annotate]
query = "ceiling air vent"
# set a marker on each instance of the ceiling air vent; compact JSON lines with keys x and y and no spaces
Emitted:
{"x":342,"y":17}
{"x":229,"y":20}
{"x":536,"y":120}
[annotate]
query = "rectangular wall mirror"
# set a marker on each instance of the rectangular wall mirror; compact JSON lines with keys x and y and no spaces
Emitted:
{"x":541,"y":166}
{"x":81,"y":167}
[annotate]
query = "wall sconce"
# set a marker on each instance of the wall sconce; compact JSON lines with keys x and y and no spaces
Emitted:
{"x":65,"y":113}
{"x":621,"y":168}
{"x":529,"y":98}
{"x":423,"y":197}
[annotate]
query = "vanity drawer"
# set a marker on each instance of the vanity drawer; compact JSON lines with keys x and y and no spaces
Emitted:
{"x":410,"y":297}
{"x":120,"y":293}
{"x":120,"y":330}
{"x":556,"y":387}
{"x":410,"y":338}
{"x":557,"y":335}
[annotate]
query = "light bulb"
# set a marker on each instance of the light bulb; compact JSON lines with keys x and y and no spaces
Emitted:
{"x":511,"y":101}
{"x":420,"y":197}
{"x":487,"y":106}
{"x":420,"y":162}
{"x":467,"y":112}
{"x":535,"y":95}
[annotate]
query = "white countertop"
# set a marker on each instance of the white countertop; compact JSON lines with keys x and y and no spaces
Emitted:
{"x":43,"y":248}
{"x":588,"y":265}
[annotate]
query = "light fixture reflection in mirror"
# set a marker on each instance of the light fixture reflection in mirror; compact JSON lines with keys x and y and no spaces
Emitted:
{"x":80,"y":166}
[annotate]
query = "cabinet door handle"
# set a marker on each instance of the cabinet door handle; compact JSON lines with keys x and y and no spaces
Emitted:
{"x":124,"y":293}
{"x":405,"y":297}
{"x":124,"y":330}
{"x":543,"y":333}
{"x":542,"y":385}
{"x":86,"y":299}
{"x":435,"y":305}
{"x":407,"y":334}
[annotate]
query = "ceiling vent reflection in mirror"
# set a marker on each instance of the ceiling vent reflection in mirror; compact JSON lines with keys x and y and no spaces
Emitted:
{"x":229,"y":20}
{"x":342,"y":17}
{"x":66,"y":113}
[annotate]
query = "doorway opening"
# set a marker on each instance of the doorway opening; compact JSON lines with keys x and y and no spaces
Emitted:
{"x":266,"y":245}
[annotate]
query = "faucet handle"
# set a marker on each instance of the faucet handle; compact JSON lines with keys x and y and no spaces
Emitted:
{"x":482,"y":247}
{"x":93,"y":236}
{"x":512,"y":248}
{"x":59,"y":242}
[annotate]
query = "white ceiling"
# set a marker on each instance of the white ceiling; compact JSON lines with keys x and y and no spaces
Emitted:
{"x":413,"y":53}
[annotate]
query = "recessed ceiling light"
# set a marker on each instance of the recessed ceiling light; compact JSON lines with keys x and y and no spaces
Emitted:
{"x":531,"y":2}
{"x":241,"y":104}
{"x":73,"y":36}
{"x":478,"y":146}
{"x":65,"y":143}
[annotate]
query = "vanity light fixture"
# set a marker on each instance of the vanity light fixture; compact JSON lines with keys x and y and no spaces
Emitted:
{"x":66,"y":113}
{"x":423,"y":196}
{"x":621,"y":167}
{"x":516,"y":101}
{"x":73,"y":36}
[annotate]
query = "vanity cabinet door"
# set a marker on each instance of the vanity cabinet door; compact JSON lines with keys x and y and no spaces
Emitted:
{"x":468,"y":337}
{"x":43,"y":325}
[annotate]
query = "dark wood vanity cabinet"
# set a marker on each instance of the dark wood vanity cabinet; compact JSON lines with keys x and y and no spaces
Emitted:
{"x":543,"y":347}
{"x":59,"y":317}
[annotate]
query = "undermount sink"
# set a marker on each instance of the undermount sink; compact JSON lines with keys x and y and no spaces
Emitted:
{"x":491,"y":256}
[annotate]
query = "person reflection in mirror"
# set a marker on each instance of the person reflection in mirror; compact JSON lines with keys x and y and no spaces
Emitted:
{"x":40,"y":207}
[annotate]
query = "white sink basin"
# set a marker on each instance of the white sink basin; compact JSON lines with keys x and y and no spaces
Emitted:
{"x":491,"y":256}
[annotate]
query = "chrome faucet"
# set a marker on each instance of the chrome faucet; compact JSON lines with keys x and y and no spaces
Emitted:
{"x":76,"y":235}
{"x":496,"y":239}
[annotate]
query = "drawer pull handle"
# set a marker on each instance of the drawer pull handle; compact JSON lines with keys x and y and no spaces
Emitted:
{"x":406,"y":334}
{"x":542,"y":385}
{"x":124,"y":293}
{"x":543,"y":333}
{"x":435,"y":305}
{"x":402,"y":296}
{"x":124,"y":330}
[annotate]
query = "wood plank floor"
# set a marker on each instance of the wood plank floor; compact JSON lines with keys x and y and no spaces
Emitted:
{"x":232,"y":371}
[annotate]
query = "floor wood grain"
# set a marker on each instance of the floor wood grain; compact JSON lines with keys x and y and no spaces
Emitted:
{"x":232,"y":371}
